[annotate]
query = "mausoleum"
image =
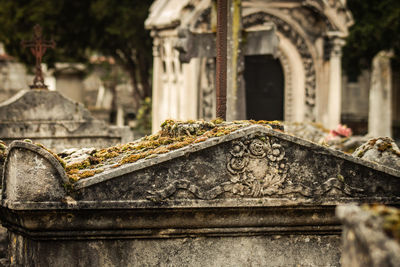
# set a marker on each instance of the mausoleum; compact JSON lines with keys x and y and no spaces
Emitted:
{"x":290,"y":60}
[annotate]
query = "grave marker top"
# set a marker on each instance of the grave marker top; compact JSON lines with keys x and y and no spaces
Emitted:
{"x":38,"y":47}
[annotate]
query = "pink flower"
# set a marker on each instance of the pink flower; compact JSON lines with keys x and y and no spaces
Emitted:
{"x":341,"y":131}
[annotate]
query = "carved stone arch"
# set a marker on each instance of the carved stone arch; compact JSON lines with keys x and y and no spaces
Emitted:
{"x":288,"y":94}
{"x":202,"y":20}
{"x":302,"y":46}
{"x":294,"y":80}
{"x":318,"y":12}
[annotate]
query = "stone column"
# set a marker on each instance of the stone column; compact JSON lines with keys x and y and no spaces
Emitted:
{"x":236,"y":102}
{"x":156,"y":96}
{"x":335,"y":83}
{"x":380,"y":96}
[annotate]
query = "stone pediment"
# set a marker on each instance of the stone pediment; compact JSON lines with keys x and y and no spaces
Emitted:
{"x":253,"y":166}
{"x":56,"y":121}
{"x":254,"y":190}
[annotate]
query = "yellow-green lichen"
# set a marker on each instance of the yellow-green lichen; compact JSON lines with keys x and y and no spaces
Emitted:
{"x":173,"y":135}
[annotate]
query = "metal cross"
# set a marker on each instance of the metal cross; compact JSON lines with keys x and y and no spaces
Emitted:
{"x":38,"y":47}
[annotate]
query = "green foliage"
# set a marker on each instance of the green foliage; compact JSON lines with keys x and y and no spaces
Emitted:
{"x":376,"y":28}
{"x":143,"y":125}
{"x":109,"y":27}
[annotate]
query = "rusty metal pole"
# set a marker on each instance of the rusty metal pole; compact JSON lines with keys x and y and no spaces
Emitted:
{"x":222,"y":23}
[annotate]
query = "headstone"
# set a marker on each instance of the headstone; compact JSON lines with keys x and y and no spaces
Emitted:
{"x":209,"y":194}
{"x":49,"y":118}
{"x":380,"y":96}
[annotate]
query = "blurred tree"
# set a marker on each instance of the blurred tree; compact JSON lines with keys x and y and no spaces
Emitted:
{"x":376,"y":28}
{"x":109,"y":27}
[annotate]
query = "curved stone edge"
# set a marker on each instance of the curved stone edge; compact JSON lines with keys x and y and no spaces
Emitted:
{"x":253,"y":129}
{"x":39,"y":151}
{"x":42,"y":152}
{"x":14,"y":98}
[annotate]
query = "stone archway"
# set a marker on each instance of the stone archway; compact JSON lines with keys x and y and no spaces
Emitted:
{"x":303,"y":55}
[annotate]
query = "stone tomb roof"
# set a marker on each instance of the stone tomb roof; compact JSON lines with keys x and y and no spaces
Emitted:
{"x":247,"y":161}
{"x":246,"y":190}
{"x":55,"y":121}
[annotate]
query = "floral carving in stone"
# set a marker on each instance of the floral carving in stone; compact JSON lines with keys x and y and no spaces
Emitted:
{"x":257,"y":167}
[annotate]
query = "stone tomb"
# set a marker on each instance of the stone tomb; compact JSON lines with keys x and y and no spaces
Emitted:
{"x":254,"y":197}
{"x":57,"y":122}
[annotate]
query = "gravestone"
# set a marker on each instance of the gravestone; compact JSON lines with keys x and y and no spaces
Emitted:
{"x":219,"y":195}
{"x":380,"y":96}
{"x":57,"y":122}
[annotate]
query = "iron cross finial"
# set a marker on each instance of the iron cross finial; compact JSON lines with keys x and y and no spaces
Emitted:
{"x":38,"y":47}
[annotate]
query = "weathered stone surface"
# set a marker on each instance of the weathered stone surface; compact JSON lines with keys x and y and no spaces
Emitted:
{"x":270,"y":250}
{"x":382,"y":150}
{"x":55,"y":121}
{"x":313,"y":132}
{"x":364,"y":241}
{"x":253,"y":197}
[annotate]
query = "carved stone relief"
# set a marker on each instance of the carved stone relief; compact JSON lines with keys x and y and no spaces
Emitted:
{"x":288,"y":111}
{"x":203,"y":20}
{"x":257,"y":167}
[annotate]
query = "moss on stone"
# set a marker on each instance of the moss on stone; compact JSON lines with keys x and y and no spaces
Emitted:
{"x":173,"y":135}
{"x":78,"y":165}
{"x":384,"y":146}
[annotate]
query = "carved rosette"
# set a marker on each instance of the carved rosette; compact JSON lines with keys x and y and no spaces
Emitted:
{"x":257,"y":167}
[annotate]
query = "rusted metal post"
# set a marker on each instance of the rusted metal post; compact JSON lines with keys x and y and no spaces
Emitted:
{"x":222,"y":22}
{"x":38,"y":47}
